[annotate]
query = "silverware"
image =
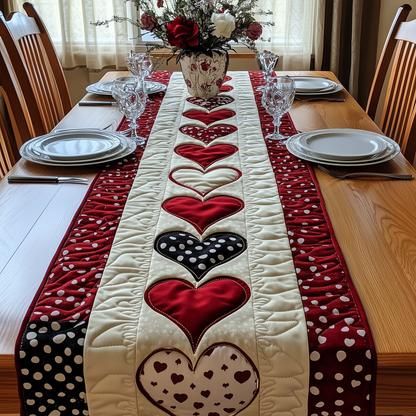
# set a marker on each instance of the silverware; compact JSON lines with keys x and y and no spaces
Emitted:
{"x":44,"y":179}
{"x":81,"y":128}
{"x":122,"y":132}
{"x":334,"y":100}
{"x":94,"y":103}
{"x":362,"y":174}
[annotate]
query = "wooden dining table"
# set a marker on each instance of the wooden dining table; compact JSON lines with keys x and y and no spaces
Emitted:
{"x":374,"y":221}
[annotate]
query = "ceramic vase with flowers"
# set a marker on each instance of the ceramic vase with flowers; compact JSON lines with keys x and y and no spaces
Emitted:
{"x":198,"y":33}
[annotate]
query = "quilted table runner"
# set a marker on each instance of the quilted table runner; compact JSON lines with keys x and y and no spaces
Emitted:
{"x":200,"y":277}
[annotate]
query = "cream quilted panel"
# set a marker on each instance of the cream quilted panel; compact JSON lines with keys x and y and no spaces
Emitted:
{"x":270,"y":328}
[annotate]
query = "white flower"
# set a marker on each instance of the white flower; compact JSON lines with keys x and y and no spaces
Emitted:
{"x":224,"y":24}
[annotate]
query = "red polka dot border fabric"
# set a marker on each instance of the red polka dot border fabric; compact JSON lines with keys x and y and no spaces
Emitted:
{"x":50,"y":348}
{"x":342,"y":355}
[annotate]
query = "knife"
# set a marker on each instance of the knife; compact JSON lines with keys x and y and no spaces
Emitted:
{"x":92,"y":103}
{"x":45,"y":179}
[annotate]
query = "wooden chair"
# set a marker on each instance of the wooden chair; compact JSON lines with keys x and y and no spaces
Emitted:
{"x":15,"y":123}
{"x":37,"y":68}
{"x":398,"y":116}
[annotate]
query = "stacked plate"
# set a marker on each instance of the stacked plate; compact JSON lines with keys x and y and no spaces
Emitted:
{"x":77,"y":147}
{"x":343,"y":147}
{"x":104,"y":87}
{"x":315,"y":86}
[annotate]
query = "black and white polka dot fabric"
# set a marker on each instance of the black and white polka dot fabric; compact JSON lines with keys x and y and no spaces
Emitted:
{"x":51,"y":368}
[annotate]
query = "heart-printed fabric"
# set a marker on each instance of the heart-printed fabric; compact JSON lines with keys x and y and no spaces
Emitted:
{"x":187,"y":306}
{"x":211,"y":103}
{"x":224,"y":379}
{"x":207,"y":135}
{"x":206,"y":156}
{"x":199,"y":257}
{"x":202,"y":214}
{"x":204,"y":182}
{"x":209,"y":118}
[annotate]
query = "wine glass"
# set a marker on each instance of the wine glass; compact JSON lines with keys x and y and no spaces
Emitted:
{"x":139,"y":64}
{"x":267,"y":62}
{"x":147,"y":66}
{"x":130,"y":94}
{"x":278,"y":96}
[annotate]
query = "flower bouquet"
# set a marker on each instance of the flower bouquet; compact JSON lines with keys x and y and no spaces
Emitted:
{"x":199,"y":32}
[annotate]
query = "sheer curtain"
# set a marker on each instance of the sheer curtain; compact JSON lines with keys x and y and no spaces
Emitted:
{"x":78,"y":43}
{"x":297,"y":35}
{"x":298,"y":32}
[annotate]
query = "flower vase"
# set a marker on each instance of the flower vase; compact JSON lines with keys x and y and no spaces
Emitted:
{"x":203,"y":74}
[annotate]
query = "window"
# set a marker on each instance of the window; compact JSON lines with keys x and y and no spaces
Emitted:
{"x":296,"y":36}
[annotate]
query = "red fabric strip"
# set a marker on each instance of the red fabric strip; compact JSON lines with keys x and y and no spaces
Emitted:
{"x":60,"y":310}
{"x":342,"y":353}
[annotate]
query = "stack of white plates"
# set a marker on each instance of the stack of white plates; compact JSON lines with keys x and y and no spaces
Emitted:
{"x":343,"y":147}
{"x":104,"y":87}
{"x":77,"y":147}
{"x":315,"y":86}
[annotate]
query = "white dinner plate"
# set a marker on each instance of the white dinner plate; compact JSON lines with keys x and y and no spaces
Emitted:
{"x":337,"y":88}
{"x":387,"y":152}
{"x":313,"y":84}
{"x":104,"y":87}
{"x":77,"y":144}
{"x":342,"y":144}
{"x":127,"y":146}
{"x":293,"y":147}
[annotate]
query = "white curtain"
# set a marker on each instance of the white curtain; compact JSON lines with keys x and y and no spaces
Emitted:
{"x":296,"y":36}
{"x":298,"y":32}
{"x":78,"y":43}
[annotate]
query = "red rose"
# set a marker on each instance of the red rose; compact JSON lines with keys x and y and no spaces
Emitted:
{"x":225,"y":7}
{"x":254,"y":31}
{"x":148,"y":22}
{"x":182,"y":33}
{"x":159,"y":3}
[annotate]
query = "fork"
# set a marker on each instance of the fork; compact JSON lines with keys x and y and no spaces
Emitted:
{"x":361,"y":174}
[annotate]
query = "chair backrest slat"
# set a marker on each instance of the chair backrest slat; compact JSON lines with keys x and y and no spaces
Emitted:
{"x":401,"y":93}
{"x":399,"y":52}
{"x":385,"y":59}
{"x":37,"y":67}
{"x":18,"y":129}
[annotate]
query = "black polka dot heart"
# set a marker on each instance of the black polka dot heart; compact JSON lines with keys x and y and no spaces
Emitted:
{"x":199,"y":257}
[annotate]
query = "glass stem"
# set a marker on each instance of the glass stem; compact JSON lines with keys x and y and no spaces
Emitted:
{"x":277,"y":122}
{"x":133,"y":127}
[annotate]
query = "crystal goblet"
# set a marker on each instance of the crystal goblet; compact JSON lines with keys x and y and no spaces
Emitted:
{"x":130,"y":94}
{"x":278,"y":96}
{"x":267,"y":62}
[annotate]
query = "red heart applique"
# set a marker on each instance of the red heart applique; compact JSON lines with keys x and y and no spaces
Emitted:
{"x":227,"y":78}
{"x":207,"y":134}
{"x":209,"y":118}
{"x":212,"y":384}
{"x":202,"y":214}
{"x":226,"y":88}
{"x":211,"y":103}
{"x":193,"y":309}
{"x":206,"y":156}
